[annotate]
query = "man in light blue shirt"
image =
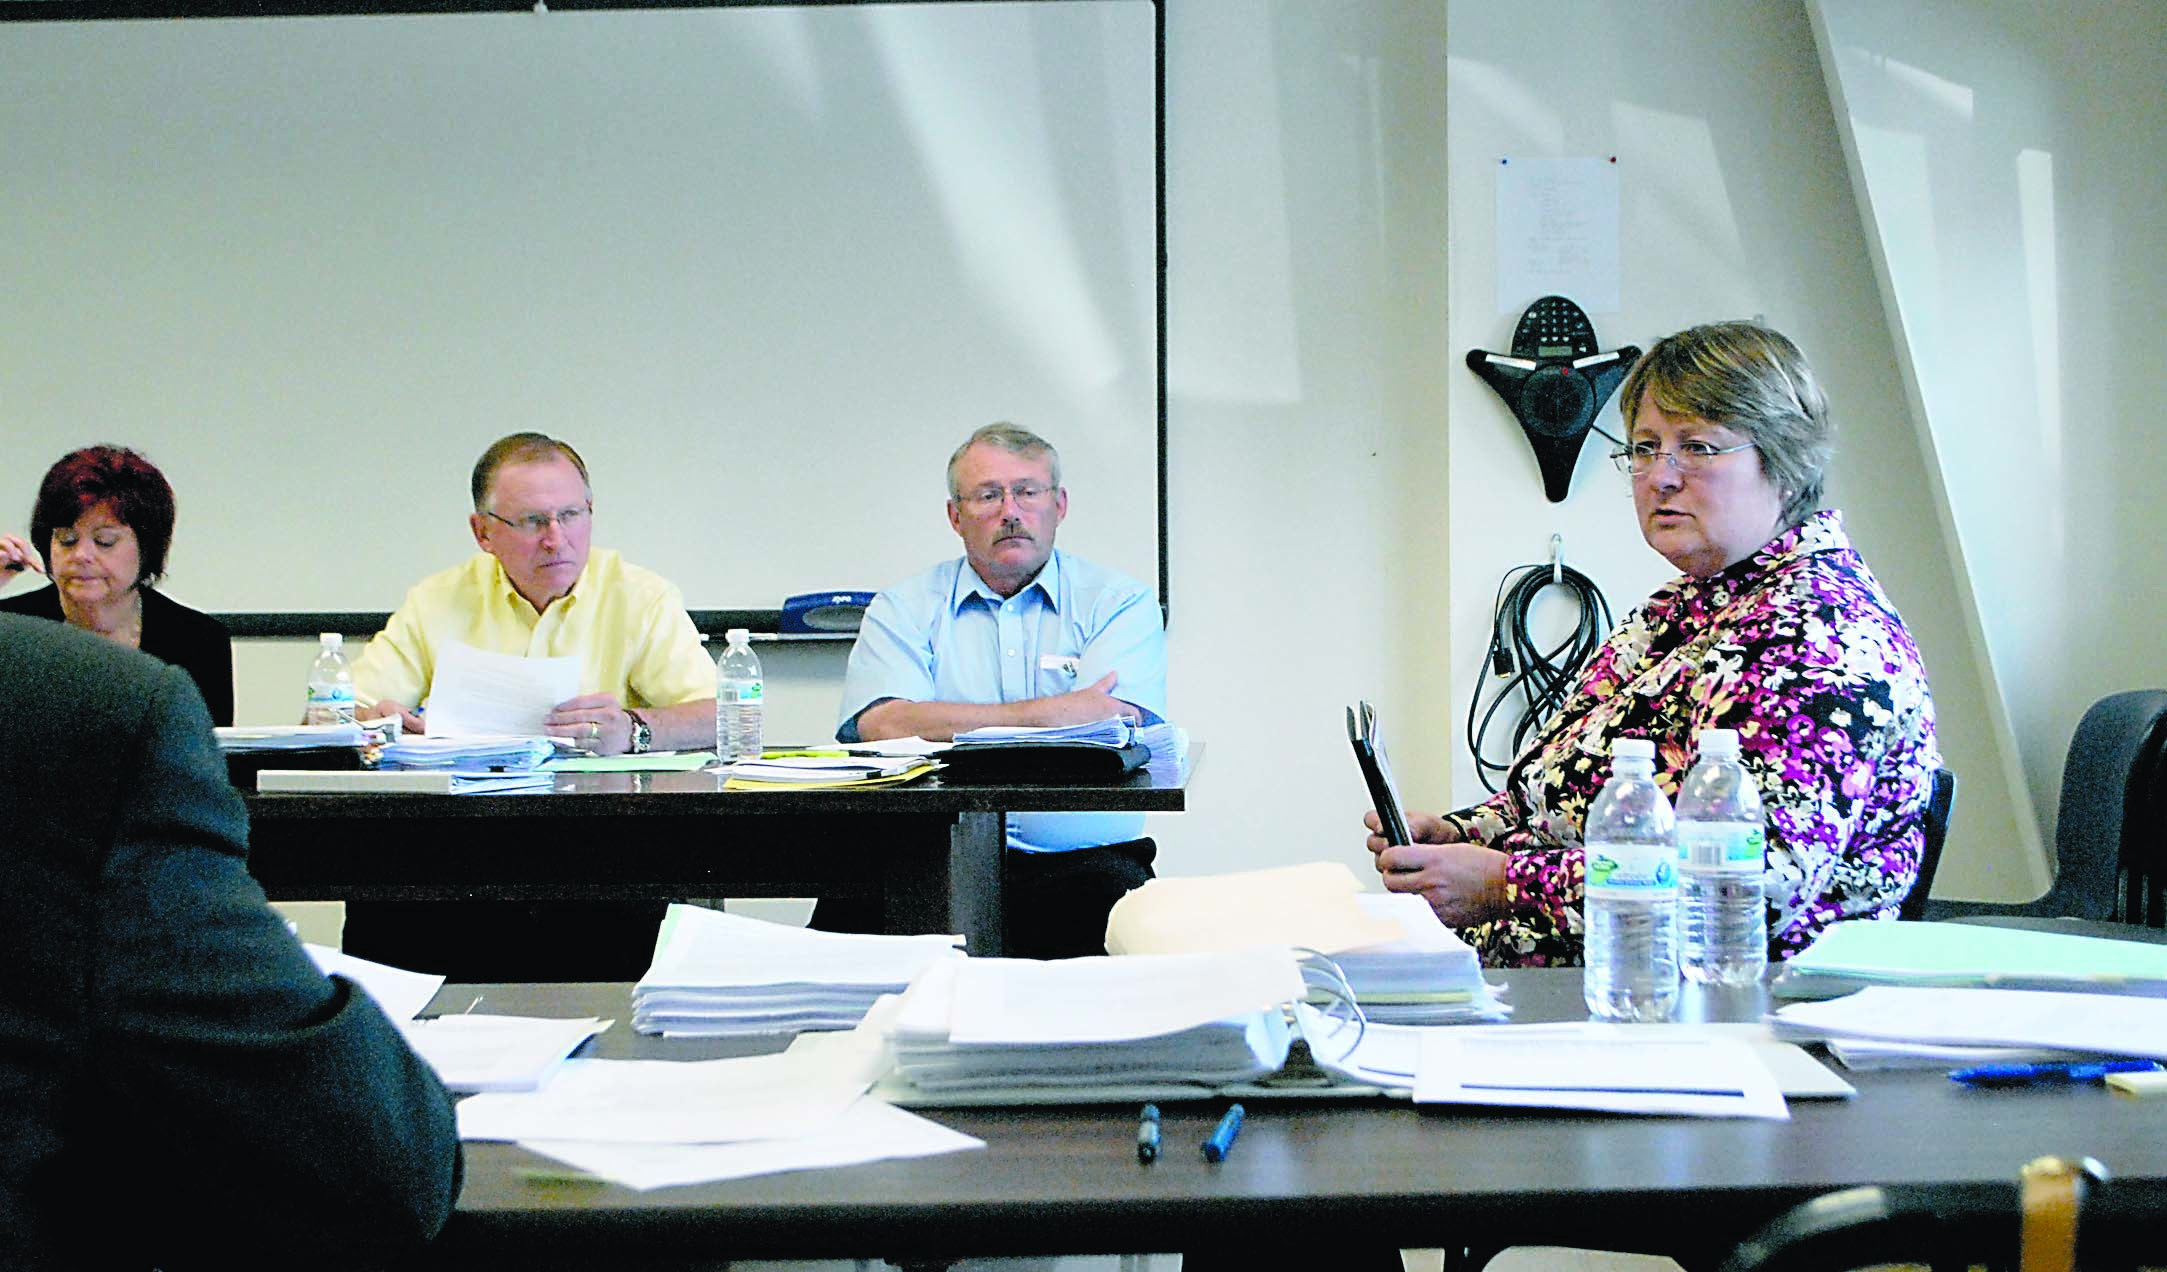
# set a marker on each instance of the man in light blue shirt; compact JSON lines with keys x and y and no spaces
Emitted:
{"x":1015,"y":632}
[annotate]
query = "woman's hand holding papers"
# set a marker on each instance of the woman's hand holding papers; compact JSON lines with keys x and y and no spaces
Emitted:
{"x":1463,"y":882}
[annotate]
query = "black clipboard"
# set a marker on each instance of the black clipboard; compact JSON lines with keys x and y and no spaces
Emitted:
{"x":1377,"y":772}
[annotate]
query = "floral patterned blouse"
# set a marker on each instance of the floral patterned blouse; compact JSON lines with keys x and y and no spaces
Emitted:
{"x":1797,"y":649}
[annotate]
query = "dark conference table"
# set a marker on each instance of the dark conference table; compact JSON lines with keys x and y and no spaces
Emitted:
{"x":929,"y":852}
{"x":1333,"y":1176}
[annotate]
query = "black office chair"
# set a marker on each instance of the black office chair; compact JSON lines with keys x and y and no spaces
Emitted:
{"x":2107,"y":840}
{"x":2060,"y":1214}
{"x":1939,"y":801}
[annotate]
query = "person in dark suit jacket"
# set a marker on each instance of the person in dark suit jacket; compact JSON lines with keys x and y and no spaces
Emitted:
{"x":180,"y":1086}
{"x":101,"y":526}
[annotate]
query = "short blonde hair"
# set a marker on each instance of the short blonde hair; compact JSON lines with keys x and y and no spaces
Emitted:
{"x":1750,"y":378}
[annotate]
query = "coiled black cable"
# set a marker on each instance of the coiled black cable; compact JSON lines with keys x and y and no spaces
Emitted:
{"x":1541,"y":678}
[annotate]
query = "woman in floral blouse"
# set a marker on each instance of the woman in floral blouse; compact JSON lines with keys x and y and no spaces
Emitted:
{"x":1776,"y":629}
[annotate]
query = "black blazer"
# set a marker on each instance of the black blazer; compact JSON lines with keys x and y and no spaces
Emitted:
{"x":189,"y":639}
{"x":179,"y":1086}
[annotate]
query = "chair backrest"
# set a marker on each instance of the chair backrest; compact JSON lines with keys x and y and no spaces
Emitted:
{"x":2144,"y":836}
{"x":2109,"y":823}
{"x":1938,"y":803}
{"x":1962,"y":1226}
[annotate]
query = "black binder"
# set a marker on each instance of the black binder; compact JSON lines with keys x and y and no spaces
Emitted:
{"x":1028,"y":761}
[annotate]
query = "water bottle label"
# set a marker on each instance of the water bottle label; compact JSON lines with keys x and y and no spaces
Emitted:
{"x":334,"y":695}
{"x":1738,"y":846}
{"x":1642,"y":872}
{"x":749,"y":695}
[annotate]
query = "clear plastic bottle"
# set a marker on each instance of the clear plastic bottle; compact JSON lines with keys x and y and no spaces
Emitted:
{"x":330,"y":684}
{"x":740,"y":699}
{"x":1722,"y":851}
{"x":1632,"y":892}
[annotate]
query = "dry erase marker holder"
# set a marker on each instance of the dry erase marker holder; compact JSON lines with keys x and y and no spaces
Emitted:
{"x":810,"y":612}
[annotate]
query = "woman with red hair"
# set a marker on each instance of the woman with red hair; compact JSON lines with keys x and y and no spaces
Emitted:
{"x":100,"y":529}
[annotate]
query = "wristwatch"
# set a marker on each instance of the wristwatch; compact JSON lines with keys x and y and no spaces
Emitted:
{"x":643,"y":734}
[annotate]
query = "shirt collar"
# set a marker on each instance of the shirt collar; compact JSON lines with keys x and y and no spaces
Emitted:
{"x":506,"y":594}
{"x":968,"y":585}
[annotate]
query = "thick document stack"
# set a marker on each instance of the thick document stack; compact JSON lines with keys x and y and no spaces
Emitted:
{"x":1426,"y":975}
{"x":1399,"y":962}
{"x":810,"y":771}
{"x":722,"y":975}
{"x":998,"y":1025}
{"x":1101,"y":751}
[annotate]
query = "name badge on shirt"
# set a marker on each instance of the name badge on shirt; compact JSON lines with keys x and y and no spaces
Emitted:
{"x":1066,"y":664}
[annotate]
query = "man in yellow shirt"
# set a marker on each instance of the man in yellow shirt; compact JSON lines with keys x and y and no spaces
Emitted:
{"x":538,"y":589}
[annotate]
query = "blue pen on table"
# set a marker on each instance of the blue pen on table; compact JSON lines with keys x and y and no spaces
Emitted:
{"x":2051,"y":1074}
{"x":1147,"y":1135}
{"x":1222,"y":1137}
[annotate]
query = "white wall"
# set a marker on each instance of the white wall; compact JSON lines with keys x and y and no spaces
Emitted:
{"x":1733,"y":204}
{"x":1344,"y":494}
{"x":2008,"y":159}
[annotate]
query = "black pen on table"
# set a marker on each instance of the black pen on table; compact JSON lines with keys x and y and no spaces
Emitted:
{"x":1147,"y":1134}
{"x":1222,"y":1137}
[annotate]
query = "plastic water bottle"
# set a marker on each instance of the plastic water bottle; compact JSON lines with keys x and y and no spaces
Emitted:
{"x":330,"y":684}
{"x":1721,"y":854}
{"x":739,"y":699}
{"x":1632,"y":892}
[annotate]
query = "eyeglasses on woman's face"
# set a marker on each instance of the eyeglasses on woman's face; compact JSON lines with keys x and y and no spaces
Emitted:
{"x":1690,"y":457}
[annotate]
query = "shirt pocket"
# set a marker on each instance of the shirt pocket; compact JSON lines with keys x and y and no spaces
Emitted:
{"x":1058,"y":672}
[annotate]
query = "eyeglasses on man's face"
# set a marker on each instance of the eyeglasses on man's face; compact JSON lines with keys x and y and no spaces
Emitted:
{"x":1690,"y":457}
{"x":536,"y":524}
{"x":1027,"y":494}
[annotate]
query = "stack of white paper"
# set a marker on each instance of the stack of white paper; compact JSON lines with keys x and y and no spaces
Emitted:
{"x":1113,"y":731}
{"x":474,"y":754}
{"x":1400,"y":962}
{"x":288,"y":737}
{"x":718,"y":974}
{"x":988,"y":1024}
{"x":1427,"y":976}
{"x":2103,"y":1024}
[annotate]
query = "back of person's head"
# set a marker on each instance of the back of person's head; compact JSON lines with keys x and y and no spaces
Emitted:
{"x":521,"y":448}
{"x":83,"y":479}
{"x":1013,"y":439}
{"x":1751,"y":378}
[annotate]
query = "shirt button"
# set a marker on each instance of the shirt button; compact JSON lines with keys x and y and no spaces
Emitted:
{"x":1011,"y":653}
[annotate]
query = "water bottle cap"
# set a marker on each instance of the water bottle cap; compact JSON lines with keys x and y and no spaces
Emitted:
{"x":333,"y":639}
{"x":1632,"y":749}
{"x":737,"y":635}
{"x":1722,"y":742}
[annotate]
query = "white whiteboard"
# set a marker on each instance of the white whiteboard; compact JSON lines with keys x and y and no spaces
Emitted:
{"x":764,"y":267}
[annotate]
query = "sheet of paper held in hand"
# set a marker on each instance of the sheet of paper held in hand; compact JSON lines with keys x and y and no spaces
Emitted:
{"x":478,"y":692}
{"x":1701,"y":1078}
